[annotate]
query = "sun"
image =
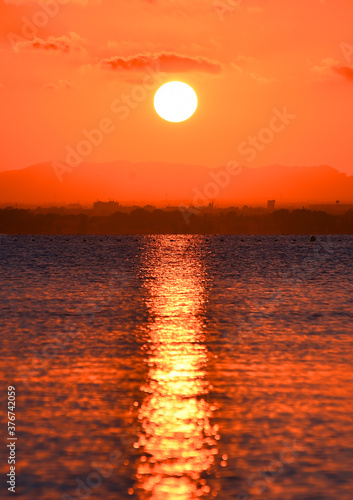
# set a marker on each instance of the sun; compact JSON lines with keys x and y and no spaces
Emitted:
{"x":175,"y":101}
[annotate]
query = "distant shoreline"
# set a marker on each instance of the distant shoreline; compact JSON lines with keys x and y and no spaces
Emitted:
{"x":183,"y":221}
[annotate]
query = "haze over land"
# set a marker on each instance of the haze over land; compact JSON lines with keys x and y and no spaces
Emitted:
{"x":170,"y":183}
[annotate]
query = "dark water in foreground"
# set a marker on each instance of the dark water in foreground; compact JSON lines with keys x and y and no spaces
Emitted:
{"x":176,"y":367}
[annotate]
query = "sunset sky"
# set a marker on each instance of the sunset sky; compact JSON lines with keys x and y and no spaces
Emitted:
{"x":91,"y":63}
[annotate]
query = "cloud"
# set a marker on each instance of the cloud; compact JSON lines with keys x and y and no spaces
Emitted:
{"x":241,"y":59}
{"x":262,"y":80}
{"x":324,"y":69}
{"x":73,"y":2}
{"x":165,"y":61}
{"x":346,"y":71}
{"x":329,"y":67}
{"x":62,"y":43}
{"x":242,"y":66}
{"x":242,"y":62}
{"x":237,"y":68}
{"x":62,"y":84}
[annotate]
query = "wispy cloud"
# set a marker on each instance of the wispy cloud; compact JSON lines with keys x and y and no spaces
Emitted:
{"x":62,"y":43}
{"x":61,"y":85}
{"x":263,"y":80}
{"x":329,"y":67}
{"x":73,"y":2}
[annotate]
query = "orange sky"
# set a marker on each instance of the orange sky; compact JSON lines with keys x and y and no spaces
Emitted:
{"x":68,"y":71}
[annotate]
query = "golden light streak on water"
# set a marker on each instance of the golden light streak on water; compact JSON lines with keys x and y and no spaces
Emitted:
{"x":178,"y":441}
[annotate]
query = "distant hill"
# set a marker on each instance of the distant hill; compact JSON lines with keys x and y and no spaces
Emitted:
{"x":162,"y":183}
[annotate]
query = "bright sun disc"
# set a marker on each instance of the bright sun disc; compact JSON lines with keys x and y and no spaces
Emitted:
{"x":175,"y":101}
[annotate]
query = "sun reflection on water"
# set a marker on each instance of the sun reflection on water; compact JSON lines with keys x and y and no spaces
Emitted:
{"x":177,"y":441}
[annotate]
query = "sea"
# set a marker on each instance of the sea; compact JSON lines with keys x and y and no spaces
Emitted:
{"x":177,"y":367}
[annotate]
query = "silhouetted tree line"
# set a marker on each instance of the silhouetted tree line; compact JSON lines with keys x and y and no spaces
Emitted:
{"x":141,"y":221}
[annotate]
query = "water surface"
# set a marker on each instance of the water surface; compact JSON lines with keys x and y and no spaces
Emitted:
{"x":179,"y":367}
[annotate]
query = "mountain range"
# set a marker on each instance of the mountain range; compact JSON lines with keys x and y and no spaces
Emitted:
{"x":169,"y":183}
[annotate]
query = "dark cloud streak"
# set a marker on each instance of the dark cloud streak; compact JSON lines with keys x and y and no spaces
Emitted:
{"x":166,"y":61}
